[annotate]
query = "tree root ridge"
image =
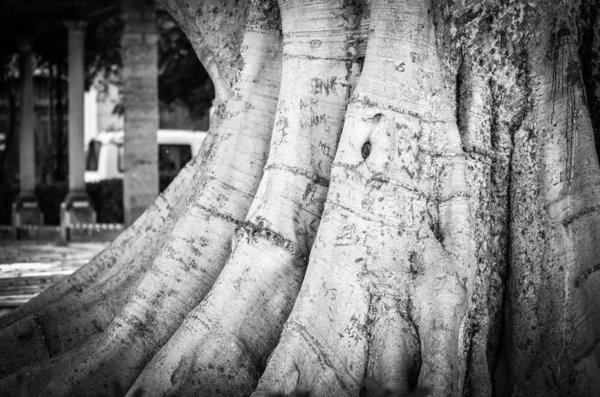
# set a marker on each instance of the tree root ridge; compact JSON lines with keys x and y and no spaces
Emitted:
{"x":23,"y":342}
{"x":321,"y":352}
{"x":124,"y":250}
{"x":252,"y":231}
{"x":588,"y":352}
{"x":297,"y":171}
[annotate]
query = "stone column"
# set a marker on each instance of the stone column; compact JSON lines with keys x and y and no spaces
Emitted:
{"x":140,"y":97}
{"x":26,"y":211}
{"x":76,"y":208}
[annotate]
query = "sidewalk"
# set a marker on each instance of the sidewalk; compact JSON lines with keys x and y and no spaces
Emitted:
{"x":29,"y":267}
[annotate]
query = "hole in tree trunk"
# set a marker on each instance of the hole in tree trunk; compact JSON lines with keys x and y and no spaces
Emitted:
{"x":366,"y":150}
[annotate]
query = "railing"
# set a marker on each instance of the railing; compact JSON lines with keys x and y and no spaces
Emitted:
{"x":76,"y":231}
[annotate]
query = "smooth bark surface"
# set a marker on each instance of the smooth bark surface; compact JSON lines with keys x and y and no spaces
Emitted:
{"x":264,"y":272}
{"x":400,"y":197}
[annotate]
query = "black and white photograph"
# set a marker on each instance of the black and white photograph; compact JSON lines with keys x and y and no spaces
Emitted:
{"x":299,"y":198}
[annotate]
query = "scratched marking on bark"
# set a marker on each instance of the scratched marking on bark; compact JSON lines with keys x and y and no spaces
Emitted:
{"x":306,"y":102}
{"x":312,"y":196}
{"x":331,"y":292}
{"x":562,"y":84}
{"x":312,"y":120}
{"x":325,"y":149}
{"x":319,"y":86}
{"x":281,"y":122}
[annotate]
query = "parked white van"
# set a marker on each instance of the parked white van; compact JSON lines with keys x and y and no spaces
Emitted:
{"x":175,"y":148}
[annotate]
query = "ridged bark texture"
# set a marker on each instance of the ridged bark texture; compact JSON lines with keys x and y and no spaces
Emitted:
{"x":401,"y":198}
{"x":553,"y":327}
{"x":265,"y":270}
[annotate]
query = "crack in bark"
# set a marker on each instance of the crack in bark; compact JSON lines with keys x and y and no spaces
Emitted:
{"x":586,"y":274}
{"x":224,"y":185}
{"x":464,"y":194}
{"x":252,"y":231}
{"x":107,"y":305}
{"x":220,"y":215}
{"x":38,"y":322}
{"x":312,"y":57}
{"x":298,"y":171}
{"x":147,"y":338}
{"x":353,"y":168}
{"x":366,"y":102}
{"x":417,"y":359}
{"x":362,"y":215}
{"x":490,"y":154}
{"x":369,"y":321}
{"x":572,"y":218}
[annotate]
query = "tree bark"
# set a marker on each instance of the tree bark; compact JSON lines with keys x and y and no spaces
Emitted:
{"x":215,"y":29}
{"x":265,"y":270}
{"x":400,"y":197}
{"x":553,"y":306}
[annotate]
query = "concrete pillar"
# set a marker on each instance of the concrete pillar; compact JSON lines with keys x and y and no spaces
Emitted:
{"x":140,"y":98}
{"x":76,"y":208}
{"x":26,"y":210}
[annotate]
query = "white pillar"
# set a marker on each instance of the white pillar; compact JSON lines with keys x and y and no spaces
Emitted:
{"x":76,"y":105}
{"x":91,"y":116}
{"x":26,"y":211}
{"x":26,"y":123}
{"x":76,"y":209}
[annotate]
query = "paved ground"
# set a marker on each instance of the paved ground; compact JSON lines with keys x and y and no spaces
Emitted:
{"x":29,"y":267}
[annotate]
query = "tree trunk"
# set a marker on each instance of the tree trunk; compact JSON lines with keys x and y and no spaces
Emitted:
{"x":397,"y":197}
{"x":215,"y":29}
